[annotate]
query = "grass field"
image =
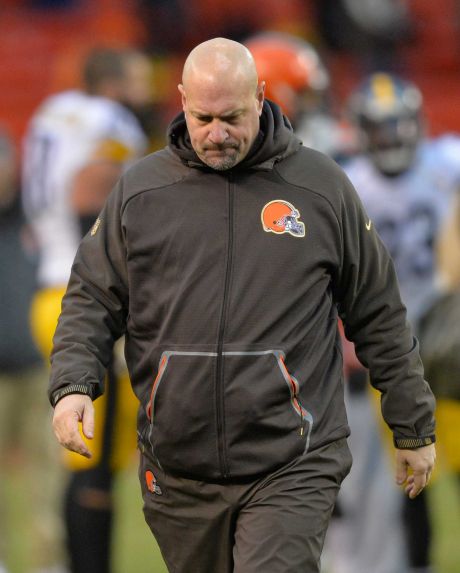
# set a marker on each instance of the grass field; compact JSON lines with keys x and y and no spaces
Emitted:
{"x":135,"y":550}
{"x":445,"y":505}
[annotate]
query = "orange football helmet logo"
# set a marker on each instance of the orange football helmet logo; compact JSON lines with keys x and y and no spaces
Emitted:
{"x":281,"y":217}
{"x":292,"y":69}
{"x":151,"y":482}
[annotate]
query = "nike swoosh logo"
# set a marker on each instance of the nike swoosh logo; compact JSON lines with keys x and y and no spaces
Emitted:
{"x":369,"y":225}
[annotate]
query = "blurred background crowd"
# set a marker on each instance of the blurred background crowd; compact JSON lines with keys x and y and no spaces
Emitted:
{"x":373,"y":83}
{"x":43,"y":42}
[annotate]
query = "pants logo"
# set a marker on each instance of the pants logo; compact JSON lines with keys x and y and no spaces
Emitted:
{"x":152,"y":484}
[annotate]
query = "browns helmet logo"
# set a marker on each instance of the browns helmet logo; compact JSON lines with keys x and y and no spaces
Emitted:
{"x":281,"y":217}
{"x":151,"y":482}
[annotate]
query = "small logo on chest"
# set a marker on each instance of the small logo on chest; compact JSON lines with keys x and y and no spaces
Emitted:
{"x":280,"y":217}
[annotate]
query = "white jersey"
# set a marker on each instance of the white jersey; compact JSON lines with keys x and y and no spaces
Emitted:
{"x":408,"y":211}
{"x":327,"y":134}
{"x":69,"y":131}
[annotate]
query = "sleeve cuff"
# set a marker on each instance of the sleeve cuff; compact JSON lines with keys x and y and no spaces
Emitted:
{"x":412,"y":443}
{"x":72,"y":389}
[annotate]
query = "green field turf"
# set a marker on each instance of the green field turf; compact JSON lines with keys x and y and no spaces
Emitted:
{"x":445,"y":505}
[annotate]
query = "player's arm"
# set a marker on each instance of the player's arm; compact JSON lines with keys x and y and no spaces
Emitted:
{"x":92,"y":184}
{"x":94,"y":181}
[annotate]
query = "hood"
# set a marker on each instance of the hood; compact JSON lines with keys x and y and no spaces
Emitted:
{"x":275,"y":140}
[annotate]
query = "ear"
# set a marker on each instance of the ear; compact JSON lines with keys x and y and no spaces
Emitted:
{"x":260,"y":96}
{"x":181,"y":89}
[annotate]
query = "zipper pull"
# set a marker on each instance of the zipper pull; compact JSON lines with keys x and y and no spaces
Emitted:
{"x":302,"y":419}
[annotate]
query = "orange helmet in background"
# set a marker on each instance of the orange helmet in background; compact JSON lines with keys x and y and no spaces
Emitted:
{"x":291,"y":69}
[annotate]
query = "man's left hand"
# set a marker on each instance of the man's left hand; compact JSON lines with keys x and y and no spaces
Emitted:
{"x":421,"y":462}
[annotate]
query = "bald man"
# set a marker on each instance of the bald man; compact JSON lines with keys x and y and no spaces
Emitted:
{"x":226,"y":259}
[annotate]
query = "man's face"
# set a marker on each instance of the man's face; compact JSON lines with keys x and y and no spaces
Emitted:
{"x":222,"y":120}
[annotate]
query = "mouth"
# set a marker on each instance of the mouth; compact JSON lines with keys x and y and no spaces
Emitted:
{"x":220,"y":150}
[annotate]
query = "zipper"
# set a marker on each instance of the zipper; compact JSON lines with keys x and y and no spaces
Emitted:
{"x":295,"y":398}
{"x":220,"y":417}
{"x":303,"y":421}
{"x":159,"y":375}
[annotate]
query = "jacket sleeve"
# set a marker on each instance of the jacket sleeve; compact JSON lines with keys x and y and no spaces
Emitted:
{"x":374,"y":319}
{"x":94,"y":308}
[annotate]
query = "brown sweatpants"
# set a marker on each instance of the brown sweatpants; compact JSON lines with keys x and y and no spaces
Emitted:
{"x":275,"y":524}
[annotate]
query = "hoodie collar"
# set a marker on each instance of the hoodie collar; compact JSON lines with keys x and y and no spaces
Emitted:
{"x":275,"y":141}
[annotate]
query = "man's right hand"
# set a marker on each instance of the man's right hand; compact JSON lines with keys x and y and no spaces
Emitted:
{"x":68,"y":412}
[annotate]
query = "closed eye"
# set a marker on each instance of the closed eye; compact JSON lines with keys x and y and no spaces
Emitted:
{"x":230,"y":119}
{"x":204,"y":118}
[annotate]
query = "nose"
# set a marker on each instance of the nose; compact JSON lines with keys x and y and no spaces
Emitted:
{"x":217,"y":133}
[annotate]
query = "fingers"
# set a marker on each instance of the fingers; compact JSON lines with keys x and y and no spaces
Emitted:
{"x":428,"y":476}
{"x":420,"y":461}
{"x":88,"y":422}
{"x":415,"y":484}
{"x":68,"y":413}
{"x":401,"y":470}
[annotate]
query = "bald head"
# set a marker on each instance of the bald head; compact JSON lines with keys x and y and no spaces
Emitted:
{"x":220,"y":61}
{"x":222,"y":102}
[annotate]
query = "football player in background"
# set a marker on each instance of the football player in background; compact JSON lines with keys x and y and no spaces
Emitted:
{"x":298,"y":80}
{"x":407,"y":182}
{"x":77,"y":145}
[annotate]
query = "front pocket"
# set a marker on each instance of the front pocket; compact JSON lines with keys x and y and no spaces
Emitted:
{"x":259,"y":425}
{"x":305,"y":417}
{"x":266,"y":424}
{"x":181,"y":411}
{"x":266,"y":372}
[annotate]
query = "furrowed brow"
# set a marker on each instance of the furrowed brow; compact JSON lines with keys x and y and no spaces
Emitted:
{"x":228,"y":115}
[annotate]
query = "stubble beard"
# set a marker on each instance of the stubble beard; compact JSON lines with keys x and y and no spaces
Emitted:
{"x":222,"y":163}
